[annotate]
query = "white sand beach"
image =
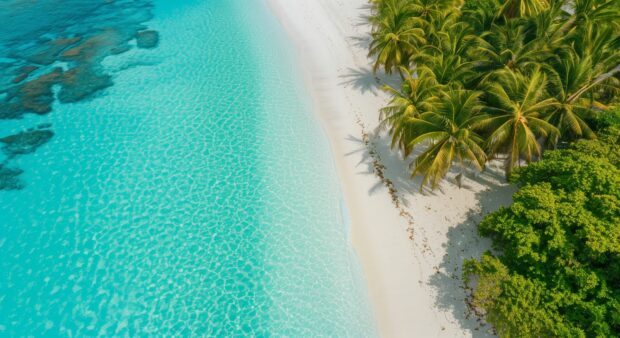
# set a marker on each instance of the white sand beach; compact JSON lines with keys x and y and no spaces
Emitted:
{"x":411,"y":244}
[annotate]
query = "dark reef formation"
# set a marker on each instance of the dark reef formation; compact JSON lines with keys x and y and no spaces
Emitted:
{"x":23,"y":73}
{"x":81,"y":82}
{"x":69,"y":55}
{"x":147,"y":39}
{"x":34,"y":96}
{"x":50,"y":52}
{"x":25,"y":142}
{"x":9,"y":179}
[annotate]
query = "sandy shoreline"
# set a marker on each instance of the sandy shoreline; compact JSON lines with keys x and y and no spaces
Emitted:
{"x":413,"y":284}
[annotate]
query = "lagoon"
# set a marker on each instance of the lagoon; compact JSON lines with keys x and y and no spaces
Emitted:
{"x":192,"y":193}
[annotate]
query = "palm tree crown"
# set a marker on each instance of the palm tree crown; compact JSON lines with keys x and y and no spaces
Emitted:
{"x":448,"y":135}
{"x":509,"y":77}
{"x":515,"y":125}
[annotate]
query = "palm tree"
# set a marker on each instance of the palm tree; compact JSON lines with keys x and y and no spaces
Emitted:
{"x":417,"y":95}
{"x":523,"y":8}
{"x":588,"y":12}
{"x":572,"y":78}
{"x":569,"y":75}
{"x":447,"y":58}
{"x":542,"y":66}
{"x":449,"y":134}
{"x":580,"y":77}
{"x":395,"y":36}
{"x":480,"y":15}
{"x":548,"y":27}
{"x":515,"y":125}
{"x":602,"y":45}
{"x":450,"y":70}
{"x":506,"y":47}
{"x":439,"y":21}
{"x":430,"y":10}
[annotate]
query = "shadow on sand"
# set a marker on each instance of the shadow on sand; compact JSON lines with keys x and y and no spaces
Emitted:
{"x":463,"y":241}
{"x":365,"y":80}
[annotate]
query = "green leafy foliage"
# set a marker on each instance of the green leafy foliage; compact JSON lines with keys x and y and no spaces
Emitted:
{"x":558,"y":274}
{"x":517,"y":306}
{"x":546,"y":69}
{"x":574,"y":170}
{"x":518,"y":79}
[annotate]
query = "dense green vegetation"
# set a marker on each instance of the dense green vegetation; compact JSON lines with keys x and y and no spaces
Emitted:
{"x":490,"y":79}
{"x":511,"y":79}
{"x":559,"y":271}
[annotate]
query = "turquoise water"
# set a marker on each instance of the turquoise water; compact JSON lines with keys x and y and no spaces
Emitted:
{"x":192,"y":194}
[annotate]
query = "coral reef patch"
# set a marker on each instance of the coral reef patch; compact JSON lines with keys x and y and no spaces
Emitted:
{"x":35,"y":96}
{"x":9,"y":178}
{"x":80,"y":82}
{"x":53,"y":53}
{"x":77,"y":35}
{"x":147,"y":39}
{"x":23,"y":73}
{"x":25,"y":142}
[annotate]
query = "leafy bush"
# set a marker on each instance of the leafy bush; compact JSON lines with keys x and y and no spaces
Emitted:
{"x":558,"y":274}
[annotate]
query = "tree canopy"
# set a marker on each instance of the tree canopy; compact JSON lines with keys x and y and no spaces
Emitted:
{"x":541,"y":70}
{"x":534,"y":83}
{"x":558,"y":271}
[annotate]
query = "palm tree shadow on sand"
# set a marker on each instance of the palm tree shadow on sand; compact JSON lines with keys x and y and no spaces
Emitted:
{"x":362,"y":79}
{"x":361,"y":41}
{"x":463,"y":241}
{"x":365,"y":80}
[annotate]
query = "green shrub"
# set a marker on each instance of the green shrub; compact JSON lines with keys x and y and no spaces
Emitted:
{"x":558,"y":274}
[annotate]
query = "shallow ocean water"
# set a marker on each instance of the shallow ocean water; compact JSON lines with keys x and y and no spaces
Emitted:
{"x":196,"y":195}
